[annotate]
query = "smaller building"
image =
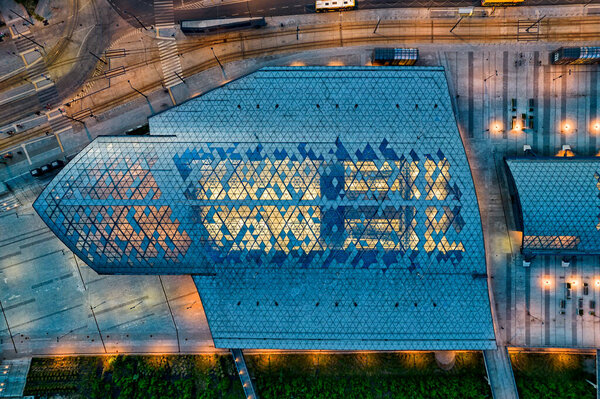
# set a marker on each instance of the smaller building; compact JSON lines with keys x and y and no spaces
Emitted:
{"x":557,"y":204}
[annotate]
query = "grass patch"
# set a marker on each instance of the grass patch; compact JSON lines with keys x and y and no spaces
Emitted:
{"x":546,"y":376}
{"x":372,"y":375}
{"x":132,"y":377}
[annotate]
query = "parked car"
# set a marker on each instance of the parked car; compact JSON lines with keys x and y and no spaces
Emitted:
{"x":37,"y":172}
{"x":47,"y":168}
{"x":58,"y":164}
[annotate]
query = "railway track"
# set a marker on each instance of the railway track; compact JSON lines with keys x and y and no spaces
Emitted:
{"x":353,"y":34}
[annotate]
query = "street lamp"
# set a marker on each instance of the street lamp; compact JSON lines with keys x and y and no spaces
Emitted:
{"x":136,"y":18}
{"x":145,"y":96}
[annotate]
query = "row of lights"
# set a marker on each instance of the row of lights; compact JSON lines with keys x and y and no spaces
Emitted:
{"x":547,"y":282}
{"x":565,"y":128}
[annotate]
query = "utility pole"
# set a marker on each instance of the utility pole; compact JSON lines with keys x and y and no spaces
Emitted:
{"x":70,"y":117}
{"x":8,"y":327}
{"x":179,"y":76}
{"x":145,"y":96}
{"x":456,"y":24}
{"x":98,"y":327}
{"x":377,"y":26}
{"x":217,"y":58}
{"x":170,"y":311}
{"x":136,"y":18}
{"x":30,"y":39}
{"x":535,"y":23}
{"x":22,"y":17}
{"x":98,"y":58}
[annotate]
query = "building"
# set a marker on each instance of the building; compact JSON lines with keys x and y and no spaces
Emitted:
{"x":315,"y":207}
{"x":557,"y":204}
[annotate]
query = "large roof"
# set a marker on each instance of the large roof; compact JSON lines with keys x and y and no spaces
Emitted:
{"x":559,"y":204}
{"x":320,"y":208}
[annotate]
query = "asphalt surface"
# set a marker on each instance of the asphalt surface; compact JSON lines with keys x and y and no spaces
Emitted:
{"x":185,"y":9}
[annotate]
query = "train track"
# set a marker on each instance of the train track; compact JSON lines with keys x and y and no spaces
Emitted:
{"x":353,"y":34}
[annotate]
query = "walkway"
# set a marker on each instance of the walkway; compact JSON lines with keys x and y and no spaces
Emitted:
{"x":13,"y":375}
{"x":240,"y":364}
{"x":500,"y":375}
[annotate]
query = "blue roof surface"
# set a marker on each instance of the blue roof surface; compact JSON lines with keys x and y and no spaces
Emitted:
{"x":296,"y":193}
{"x":560,"y":204}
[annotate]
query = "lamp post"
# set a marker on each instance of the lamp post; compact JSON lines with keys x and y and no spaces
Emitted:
{"x":22,"y":17}
{"x":216,"y":58}
{"x":136,"y":18}
{"x":145,"y":96}
{"x":30,"y":39}
{"x":8,"y":327}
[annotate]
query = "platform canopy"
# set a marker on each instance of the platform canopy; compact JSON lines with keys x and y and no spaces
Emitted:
{"x":558,"y":204}
{"x":316,"y":207}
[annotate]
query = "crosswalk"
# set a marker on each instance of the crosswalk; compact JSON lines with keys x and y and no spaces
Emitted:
{"x":24,"y":45}
{"x":163,"y":14}
{"x":169,"y":60}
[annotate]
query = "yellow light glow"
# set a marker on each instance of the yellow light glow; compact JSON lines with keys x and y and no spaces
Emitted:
{"x":297,"y":63}
{"x":597,"y":126}
{"x":597,"y":283}
{"x":335,"y":63}
{"x":574,"y":282}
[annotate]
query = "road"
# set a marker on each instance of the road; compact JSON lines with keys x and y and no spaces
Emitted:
{"x":197,"y":9}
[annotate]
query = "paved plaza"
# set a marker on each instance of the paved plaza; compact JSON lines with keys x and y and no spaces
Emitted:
{"x":56,"y":304}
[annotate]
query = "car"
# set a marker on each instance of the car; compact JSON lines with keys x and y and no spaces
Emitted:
{"x":57,"y":164}
{"x":45,"y":168}
{"x":37,"y":172}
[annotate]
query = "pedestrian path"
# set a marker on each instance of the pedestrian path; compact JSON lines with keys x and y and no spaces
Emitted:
{"x":13,"y":375}
{"x":597,"y":373}
{"x":500,"y":374}
{"x":169,"y":60}
{"x":240,"y":365}
{"x":164,"y":20}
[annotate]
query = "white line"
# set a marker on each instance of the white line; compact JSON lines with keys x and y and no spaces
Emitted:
{"x":84,"y":38}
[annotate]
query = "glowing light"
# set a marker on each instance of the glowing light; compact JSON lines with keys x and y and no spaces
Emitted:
{"x":574,"y":282}
{"x":335,"y":63}
{"x":496,"y":127}
{"x":597,"y":126}
{"x":597,"y":283}
{"x":297,"y":63}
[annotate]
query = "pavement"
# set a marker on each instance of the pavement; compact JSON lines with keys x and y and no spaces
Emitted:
{"x":500,"y":374}
{"x":53,"y":304}
{"x":13,"y":376}
{"x":210,"y":9}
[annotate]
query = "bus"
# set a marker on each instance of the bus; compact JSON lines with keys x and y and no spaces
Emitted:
{"x":501,"y":3}
{"x":575,"y":55}
{"x":395,"y":56}
{"x":334,"y":5}
{"x":220,"y":25}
